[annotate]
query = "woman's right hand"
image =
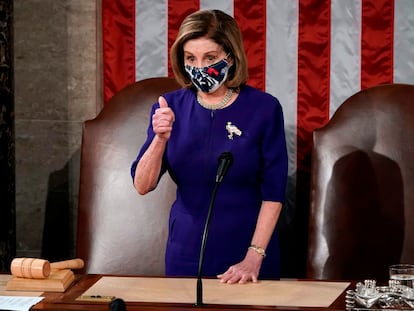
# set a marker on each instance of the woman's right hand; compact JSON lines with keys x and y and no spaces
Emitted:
{"x":163,"y":119}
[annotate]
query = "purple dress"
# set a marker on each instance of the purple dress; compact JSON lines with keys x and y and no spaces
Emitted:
{"x":258,"y":172}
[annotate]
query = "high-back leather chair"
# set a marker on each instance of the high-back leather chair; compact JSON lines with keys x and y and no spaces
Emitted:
{"x":362,"y":187}
{"x":119,"y":231}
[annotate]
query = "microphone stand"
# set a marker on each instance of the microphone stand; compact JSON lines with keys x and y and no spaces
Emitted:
{"x":225,"y":161}
{"x":199,"y":302}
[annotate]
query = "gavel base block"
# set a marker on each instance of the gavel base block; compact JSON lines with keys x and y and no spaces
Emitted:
{"x":57,"y":281}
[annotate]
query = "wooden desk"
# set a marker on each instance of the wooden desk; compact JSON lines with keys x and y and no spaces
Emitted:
{"x":67,"y":301}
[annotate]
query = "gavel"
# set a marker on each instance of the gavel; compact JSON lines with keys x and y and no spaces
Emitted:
{"x":36,"y":268}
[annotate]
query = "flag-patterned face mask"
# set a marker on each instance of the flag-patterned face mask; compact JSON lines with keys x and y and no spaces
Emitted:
{"x":208,"y":79}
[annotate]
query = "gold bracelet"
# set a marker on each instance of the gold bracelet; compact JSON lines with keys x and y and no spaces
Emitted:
{"x":258,"y":250}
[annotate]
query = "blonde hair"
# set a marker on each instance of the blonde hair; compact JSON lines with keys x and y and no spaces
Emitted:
{"x":223,"y":30}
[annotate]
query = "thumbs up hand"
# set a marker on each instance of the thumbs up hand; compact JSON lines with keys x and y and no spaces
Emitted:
{"x":163,"y":119}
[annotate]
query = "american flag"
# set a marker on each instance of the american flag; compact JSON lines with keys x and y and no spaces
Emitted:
{"x":310,"y":54}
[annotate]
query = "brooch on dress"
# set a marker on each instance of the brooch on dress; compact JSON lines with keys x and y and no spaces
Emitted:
{"x":232,"y":129}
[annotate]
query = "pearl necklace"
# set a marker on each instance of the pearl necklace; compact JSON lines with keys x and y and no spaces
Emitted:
{"x":219,"y":105}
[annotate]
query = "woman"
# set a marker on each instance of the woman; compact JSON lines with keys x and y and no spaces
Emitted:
{"x":217,"y":112}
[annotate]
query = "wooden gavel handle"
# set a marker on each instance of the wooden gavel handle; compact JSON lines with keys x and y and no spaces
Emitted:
{"x":76,"y":263}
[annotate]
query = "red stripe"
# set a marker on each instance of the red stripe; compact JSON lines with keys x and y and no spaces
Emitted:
{"x":377,"y":42}
{"x":118,"y":36}
{"x":313,"y":74}
{"x":177,"y":11}
{"x":251,"y":17}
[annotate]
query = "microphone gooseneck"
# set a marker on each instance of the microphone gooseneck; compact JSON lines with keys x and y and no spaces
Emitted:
{"x":224,"y":162}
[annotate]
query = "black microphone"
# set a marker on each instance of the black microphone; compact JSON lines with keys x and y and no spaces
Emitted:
{"x":225,"y":160}
{"x":117,"y":305}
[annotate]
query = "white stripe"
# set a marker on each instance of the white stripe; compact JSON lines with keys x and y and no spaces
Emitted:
{"x":151,"y":52}
{"x":404,"y":41}
{"x":345,"y":71}
{"x":281,"y":65}
{"x":226,"y":6}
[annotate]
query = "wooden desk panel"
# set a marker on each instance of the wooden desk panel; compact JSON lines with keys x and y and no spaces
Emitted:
{"x":289,"y":293}
{"x":67,"y":301}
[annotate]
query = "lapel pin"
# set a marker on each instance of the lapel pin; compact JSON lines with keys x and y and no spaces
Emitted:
{"x":232,"y":130}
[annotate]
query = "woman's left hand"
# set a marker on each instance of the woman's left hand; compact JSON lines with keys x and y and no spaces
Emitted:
{"x":245,"y":271}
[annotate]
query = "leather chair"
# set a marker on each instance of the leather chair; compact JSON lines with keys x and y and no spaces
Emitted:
{"x":362,"y":187}
{"x":119,"y":231}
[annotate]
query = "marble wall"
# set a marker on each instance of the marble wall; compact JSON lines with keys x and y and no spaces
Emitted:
{"x":7,"y":184}
{"x":56,"y":65}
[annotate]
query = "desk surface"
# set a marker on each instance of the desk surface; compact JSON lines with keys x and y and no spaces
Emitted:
{"x":68,"y":301}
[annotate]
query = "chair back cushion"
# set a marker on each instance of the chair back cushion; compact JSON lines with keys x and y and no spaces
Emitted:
{"x":120,"y":231}
{"x":362,"y":186}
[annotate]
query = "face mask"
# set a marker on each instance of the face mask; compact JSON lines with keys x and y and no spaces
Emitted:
{"x":210,"y":78}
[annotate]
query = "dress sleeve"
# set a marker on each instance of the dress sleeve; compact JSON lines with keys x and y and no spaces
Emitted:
{"x":275,"y":157}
